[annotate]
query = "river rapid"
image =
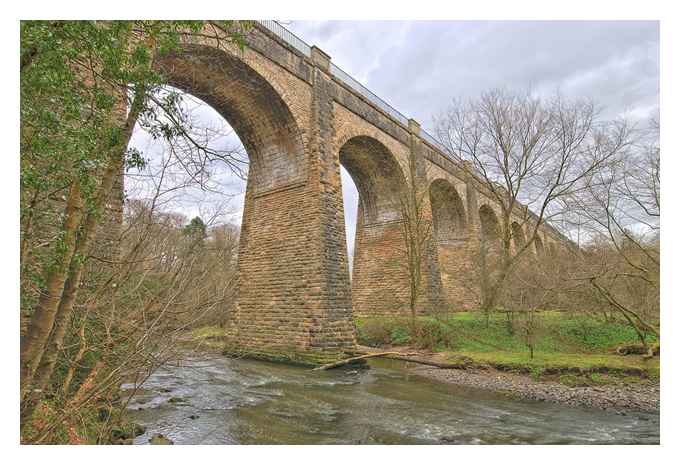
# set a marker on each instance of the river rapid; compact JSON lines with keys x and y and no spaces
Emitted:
{"x":210,"y":399}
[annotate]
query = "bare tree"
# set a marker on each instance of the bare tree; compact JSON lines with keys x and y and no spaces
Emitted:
{"x":527,"y":154}
{"x":415,"y":235}
{"x":416,"y":232}
{"x":131,"y":318}
{"x":619,"y":212}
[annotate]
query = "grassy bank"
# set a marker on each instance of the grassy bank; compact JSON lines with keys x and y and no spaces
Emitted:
{"x":571,"y":348}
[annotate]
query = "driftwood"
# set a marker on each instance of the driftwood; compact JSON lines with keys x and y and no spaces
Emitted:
{"x":638,"y":349}
{"x":407,"y":357}
{"x":340,"y":363}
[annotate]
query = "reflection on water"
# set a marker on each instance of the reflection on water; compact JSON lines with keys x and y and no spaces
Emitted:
{"x":216,"y":400}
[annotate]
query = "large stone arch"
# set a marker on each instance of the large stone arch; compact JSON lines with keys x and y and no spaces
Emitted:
{"x":378,"y":177}
{"x":518,"y":238}
{"x":538,"y":246}
{"x":293,"y":297}
{"x":379,"y":278}
{"x":451,"y":234}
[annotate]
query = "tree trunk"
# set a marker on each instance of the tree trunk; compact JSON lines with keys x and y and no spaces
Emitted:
{"x":42,"y":321}
{"x":77,"y":265}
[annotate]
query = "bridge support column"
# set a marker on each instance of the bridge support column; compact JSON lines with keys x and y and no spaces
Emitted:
{"x":380,"y":281}
{"x":294,"y":300}
{"x":432,"y":299}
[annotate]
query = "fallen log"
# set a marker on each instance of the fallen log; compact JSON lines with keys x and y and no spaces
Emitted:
{"x":464,"y":362}
{"x":340,"y":363}
{"x":638,"y":349}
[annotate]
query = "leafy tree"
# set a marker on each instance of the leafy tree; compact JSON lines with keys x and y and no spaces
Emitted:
{"x":83,"y":86}
{"x":196,"y":229}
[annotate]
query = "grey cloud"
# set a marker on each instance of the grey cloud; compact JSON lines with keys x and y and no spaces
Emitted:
{"x":419,"y":66}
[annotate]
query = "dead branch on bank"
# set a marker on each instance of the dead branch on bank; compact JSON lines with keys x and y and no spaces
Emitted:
{"x":343,"y":362}
{"x":404,"y":356}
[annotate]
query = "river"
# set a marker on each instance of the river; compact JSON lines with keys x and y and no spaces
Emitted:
{"x":210,"y":399}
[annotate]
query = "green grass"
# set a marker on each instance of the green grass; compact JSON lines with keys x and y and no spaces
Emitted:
{"x":555,"y":362}
{"x":563,"y":343}
{"x":577,"y":347}
{"x":557,"y":332}
{"x":207,"y":332}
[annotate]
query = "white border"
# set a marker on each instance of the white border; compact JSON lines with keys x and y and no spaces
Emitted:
{"x":344,"y":9}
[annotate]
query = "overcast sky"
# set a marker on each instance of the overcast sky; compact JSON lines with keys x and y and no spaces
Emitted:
{"x":419,"y":66}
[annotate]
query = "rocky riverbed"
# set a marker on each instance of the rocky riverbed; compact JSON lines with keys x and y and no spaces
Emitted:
{"x":643,"y":395}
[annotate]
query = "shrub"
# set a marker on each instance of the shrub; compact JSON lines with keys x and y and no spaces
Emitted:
{"x":400,"y":336}
{"x":536,"y":373}
{"x":374,"y":333}
{"x":430,"y":334}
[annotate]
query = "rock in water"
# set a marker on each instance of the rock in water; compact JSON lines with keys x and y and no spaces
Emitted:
{"x":160,"y":440}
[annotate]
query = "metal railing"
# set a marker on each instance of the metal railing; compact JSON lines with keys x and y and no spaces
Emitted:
{"x":427,"y":137}
{"x":305,"y":49}
{"x":288,"y":37}
{"x":370,"y":96}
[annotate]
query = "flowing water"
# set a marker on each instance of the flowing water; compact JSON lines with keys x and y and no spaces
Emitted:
{"x":209,"y":399}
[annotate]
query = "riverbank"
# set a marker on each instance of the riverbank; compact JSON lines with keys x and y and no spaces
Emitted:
{"x":597,"y":380}
{"x":606,"y":389}
{"x":641,"y":395}
{"x":574,"y":361}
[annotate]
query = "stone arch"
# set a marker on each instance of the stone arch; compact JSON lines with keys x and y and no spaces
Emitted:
{"x":248,"y":101}
{"x":293,"y":293}
{"x":488,"y":222}
{"x":518,"y":237}
{"x":377,"y":176}
{"x":448,"y":212}
{"x":379,"y":279}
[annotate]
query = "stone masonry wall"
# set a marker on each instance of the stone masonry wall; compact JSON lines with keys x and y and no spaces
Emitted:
{"x":299,"y":123}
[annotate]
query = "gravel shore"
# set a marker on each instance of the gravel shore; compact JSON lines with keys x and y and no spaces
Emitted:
{"x":639,"y":396}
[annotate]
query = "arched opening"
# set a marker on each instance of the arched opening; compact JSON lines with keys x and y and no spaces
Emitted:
{"x":489,"y":225}
{"x":378,"y":275}
{"x":448,"y":213}
{"x":350,"y":208}
{"x":206,"y":180}
{"x":518,"y":238}
{"x":450,"y":233}
{"x":377,"y":176}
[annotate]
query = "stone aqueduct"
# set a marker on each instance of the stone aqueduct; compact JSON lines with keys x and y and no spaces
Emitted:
{"x":300,"y":118}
